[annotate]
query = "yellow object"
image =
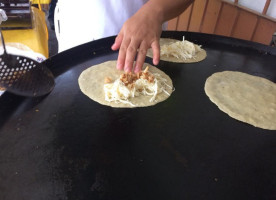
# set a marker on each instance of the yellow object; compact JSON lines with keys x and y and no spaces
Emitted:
{"x":41,"y":1}
{"x":35,"y":38}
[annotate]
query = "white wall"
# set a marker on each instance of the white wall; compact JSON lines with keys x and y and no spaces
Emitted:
{"x":272,"y":9}
{"x":258,"y":5}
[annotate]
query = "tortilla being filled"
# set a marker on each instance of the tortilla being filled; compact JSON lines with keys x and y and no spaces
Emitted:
{"x":92,"y":83}
{"x":244,"y":97}
{"x":179,"y":51}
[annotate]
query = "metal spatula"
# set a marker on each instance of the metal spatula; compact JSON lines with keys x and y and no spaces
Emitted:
{"x":24,"y":76}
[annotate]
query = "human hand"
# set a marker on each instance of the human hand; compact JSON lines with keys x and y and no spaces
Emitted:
{"x":138,"y":34}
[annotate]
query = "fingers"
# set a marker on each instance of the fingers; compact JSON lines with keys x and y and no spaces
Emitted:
{"x":122,"y":54}
{"x":127,"y":54}
{"x":141,"y":57}
{"x":128,"y":51}
{"x":118,"y":42}
{"x":156,"y":52}
{"x":130,"y":55}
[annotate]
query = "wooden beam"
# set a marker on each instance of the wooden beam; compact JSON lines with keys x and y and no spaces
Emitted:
{"x":267,"y":3}
{"x":219,"y":14}
{"x":203,"y":16}
{"x":189,"y":21}
{"x":255,"y":28}
{"x":235,"y":22}
{"x":199,"y":7}
{"x":264,"y":31}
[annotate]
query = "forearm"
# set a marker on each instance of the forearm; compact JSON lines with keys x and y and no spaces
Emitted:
{"x":166,"y":9}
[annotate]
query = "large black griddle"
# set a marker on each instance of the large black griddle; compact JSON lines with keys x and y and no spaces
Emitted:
{"x":66,"y":146}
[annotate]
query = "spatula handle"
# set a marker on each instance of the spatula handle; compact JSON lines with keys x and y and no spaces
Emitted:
{"x":3,"y":42}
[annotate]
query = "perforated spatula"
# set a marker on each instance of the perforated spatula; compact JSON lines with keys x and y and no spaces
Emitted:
{"x":24,"y":76}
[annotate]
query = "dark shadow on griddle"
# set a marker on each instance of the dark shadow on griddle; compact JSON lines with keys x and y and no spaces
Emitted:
{"x":9,"y":104}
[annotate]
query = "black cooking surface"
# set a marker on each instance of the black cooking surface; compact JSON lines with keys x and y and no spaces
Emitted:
{"x":66,"y":146}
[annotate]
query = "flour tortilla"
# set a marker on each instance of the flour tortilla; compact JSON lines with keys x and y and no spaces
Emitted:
{"x":198,"y":57}
{"x":247,"y":98}
{"x":91,"y":82}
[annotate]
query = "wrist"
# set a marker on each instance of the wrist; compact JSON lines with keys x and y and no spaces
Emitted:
{"x":153,"y":10}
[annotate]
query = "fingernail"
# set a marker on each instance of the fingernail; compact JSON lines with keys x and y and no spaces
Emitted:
{"x":136,"y":69}
{"x":155,"y":61}
{"x":127,"y":69}
{"x":113,"y":46}
{"x":119,"y":66}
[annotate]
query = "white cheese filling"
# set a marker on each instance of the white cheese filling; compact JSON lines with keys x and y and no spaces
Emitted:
{"x":119,"y":92}
{"x":181,"y":49}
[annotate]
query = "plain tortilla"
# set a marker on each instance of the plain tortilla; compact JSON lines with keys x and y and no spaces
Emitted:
{"x":91,"y":82}
{"x":201,"y":55}
{"x":245,"y":97}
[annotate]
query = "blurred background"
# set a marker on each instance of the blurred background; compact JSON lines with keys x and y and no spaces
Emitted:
{"x":244,"y":19}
